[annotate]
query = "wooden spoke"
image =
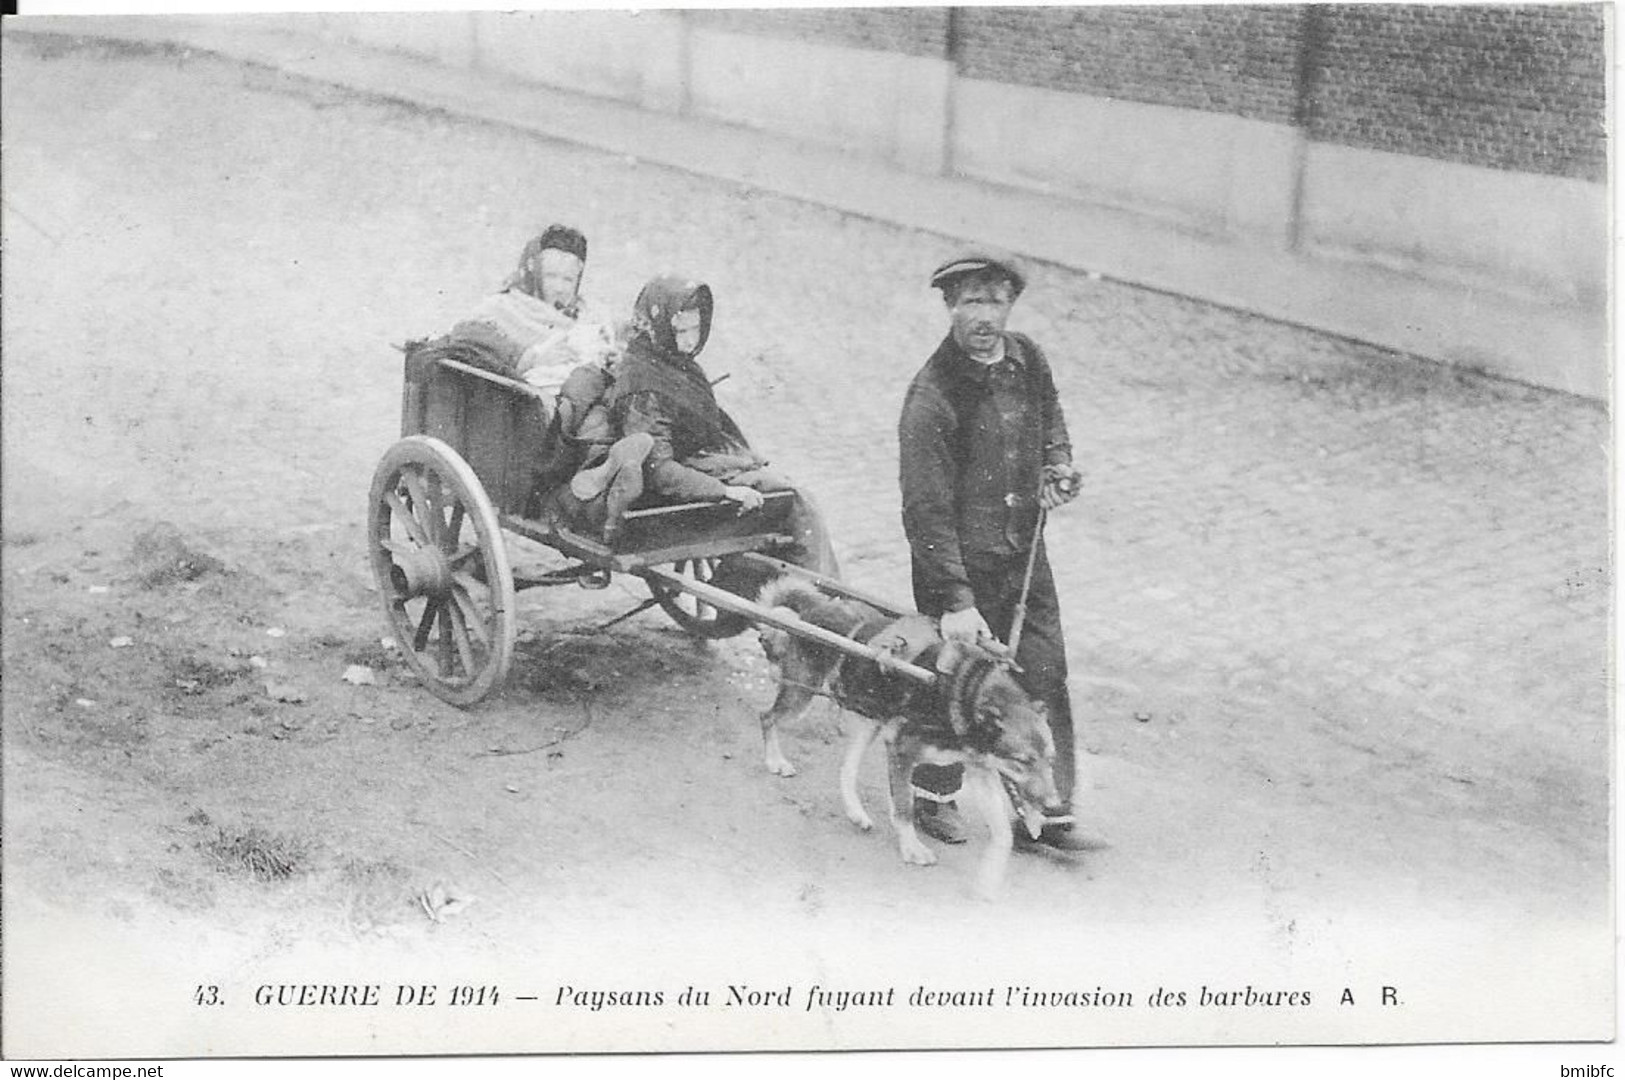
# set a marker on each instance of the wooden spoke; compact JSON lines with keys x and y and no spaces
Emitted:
{"x":413,"y":527}
{"x":460,"y":634}
{"x":697,"y":616}
{"x":470,"y":584}
{"x":421,"y":503}
{"x":700,"y":570}
{"x":434,"y":514}
{"x":435,"y":488}
{"x":455,"y":530}
{"x":444,"y":657}
{"x":420,"y":640}
{"x":470,"y":614}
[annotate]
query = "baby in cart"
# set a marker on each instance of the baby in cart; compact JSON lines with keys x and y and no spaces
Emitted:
{"x":537,"y":326}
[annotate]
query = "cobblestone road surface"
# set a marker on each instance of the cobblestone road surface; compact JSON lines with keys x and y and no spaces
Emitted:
{"x":1310,"y":588}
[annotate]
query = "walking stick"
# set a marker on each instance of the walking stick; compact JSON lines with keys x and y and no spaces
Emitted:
{"x":1027,"y":583}
{"x":1021,"y":617}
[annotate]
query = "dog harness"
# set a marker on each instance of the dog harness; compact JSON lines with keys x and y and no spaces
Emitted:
{"x":873,"y":691}
{"x":964,"y":686}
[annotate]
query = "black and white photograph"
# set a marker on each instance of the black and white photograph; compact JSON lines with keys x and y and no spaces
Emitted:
{"x":730,"y":529}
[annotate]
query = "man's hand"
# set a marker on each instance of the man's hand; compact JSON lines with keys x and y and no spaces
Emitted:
{"x":747,"y":498}
{"x":1061,"y":484}
{"x":966,"y":626}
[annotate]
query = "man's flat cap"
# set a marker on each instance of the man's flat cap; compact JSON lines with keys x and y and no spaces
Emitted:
{"x":971,"y":262}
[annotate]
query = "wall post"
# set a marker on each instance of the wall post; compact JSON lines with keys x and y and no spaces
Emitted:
{"x":685,"y":62}
{"x":1306,"y":79}
{"x":954,"y":50}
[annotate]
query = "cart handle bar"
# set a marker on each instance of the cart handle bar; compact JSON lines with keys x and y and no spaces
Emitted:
{"x":822,"y":582}
{"x":791,"y":624}
{"x":518,"y":386}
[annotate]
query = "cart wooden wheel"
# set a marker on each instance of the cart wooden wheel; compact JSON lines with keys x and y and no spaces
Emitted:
{"x":437,"y":553}
{"x":690,"y":612}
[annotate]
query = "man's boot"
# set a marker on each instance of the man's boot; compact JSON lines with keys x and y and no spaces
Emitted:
{"x":940,"y":821}
{"x":1057,"y":837}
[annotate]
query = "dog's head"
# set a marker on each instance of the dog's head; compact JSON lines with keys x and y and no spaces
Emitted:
{"x":1012,"y":731}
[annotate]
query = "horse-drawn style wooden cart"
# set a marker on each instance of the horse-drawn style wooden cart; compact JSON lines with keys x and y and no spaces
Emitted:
{"x":464,"y":474}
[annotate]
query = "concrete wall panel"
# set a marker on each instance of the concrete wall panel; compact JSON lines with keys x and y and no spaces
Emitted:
{"x":447,"y":37}
{"x":1218,"y":173}
{"x":1545,"y":236}
{"x":632,"y":57}
{"x":882,"y":104}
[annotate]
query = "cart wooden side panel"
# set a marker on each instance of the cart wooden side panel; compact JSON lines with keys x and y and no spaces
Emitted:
{"x":496,"y":424}
{"x":500,"y":426}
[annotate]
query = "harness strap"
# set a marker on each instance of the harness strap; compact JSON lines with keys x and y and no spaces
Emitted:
{"x":963,"y":690}
{"x":875,"y":690}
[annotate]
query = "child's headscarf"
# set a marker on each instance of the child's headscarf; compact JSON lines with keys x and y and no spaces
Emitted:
{"x":559,"y":238}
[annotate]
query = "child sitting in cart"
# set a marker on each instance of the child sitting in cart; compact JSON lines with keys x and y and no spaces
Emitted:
{"x":534,"y":328}
{"x":676,"y":441}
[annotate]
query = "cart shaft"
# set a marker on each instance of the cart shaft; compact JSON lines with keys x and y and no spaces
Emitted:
{"x":823,"y":582}
{"x":789,"y":623}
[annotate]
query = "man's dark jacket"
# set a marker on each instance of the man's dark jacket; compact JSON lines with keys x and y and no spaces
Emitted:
{"x":973,"y":442}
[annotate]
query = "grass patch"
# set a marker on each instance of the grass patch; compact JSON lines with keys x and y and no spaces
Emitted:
{"x":53,"y":46}
{"x":160,"y":556}
{"x":262,"y":855}
{"x":379,"y":894}
{"x":193,"y":676}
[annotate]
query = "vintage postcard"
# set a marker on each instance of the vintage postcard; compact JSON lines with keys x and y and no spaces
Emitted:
{"x":807,"y":529}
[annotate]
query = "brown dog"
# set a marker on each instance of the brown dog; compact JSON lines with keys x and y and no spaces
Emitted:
{"x":976,"y":716}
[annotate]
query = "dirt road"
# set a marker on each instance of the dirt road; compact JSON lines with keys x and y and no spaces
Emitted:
{"x":1339,"y":622}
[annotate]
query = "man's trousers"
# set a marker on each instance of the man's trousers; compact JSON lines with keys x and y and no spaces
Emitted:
{"x":996,"y":582}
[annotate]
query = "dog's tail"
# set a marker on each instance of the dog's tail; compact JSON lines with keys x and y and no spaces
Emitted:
{"x":790,"y":592}
{"x":788,"y":596}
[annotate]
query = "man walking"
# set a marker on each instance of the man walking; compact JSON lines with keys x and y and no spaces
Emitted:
{"x":983,"y":446}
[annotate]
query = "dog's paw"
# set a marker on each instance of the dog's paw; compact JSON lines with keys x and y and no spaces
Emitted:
{"x":915,"y":853}
{"x":860,"y":819}
{"x":773,"y":754}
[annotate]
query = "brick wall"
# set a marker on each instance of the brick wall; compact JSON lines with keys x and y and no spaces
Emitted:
{"x":1510,"y":87}
{"x":1224,"y":58}
{"x":915,"y":31}
{"x":1519,"y":88}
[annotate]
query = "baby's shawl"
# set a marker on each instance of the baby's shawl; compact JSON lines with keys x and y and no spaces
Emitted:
{"x":548,"y":342}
